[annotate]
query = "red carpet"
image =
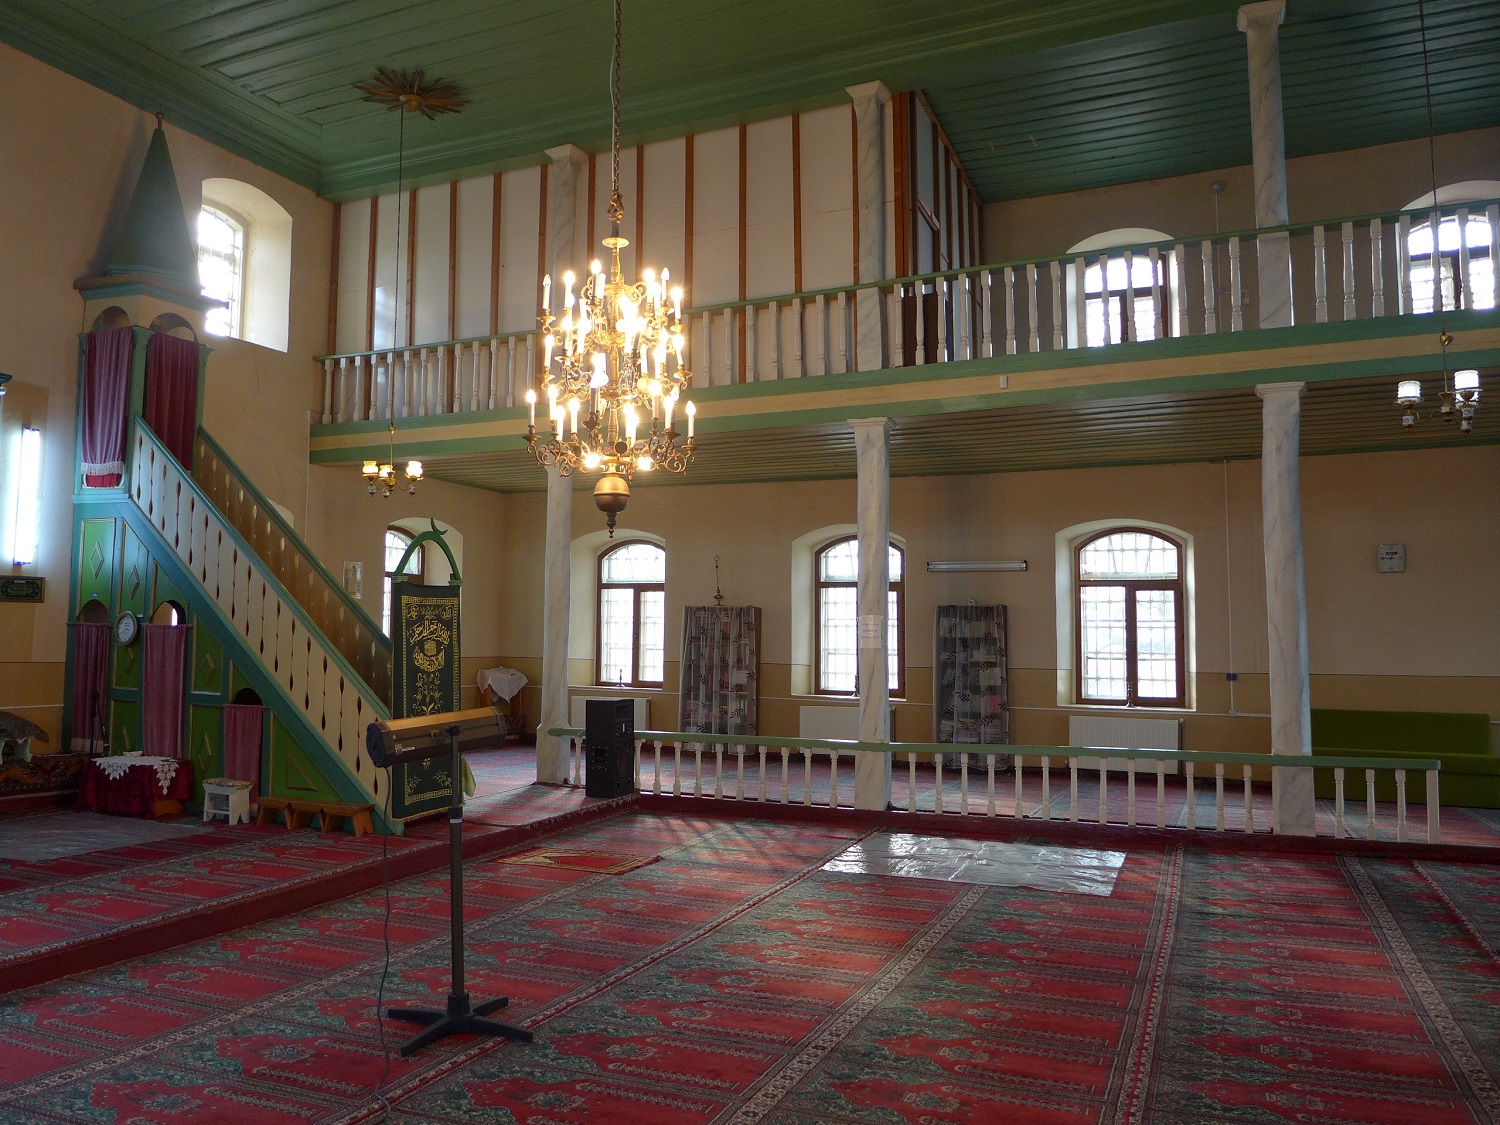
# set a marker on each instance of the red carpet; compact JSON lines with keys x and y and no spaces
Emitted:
{"x":733,"y":981}
{"x":78,"y":912}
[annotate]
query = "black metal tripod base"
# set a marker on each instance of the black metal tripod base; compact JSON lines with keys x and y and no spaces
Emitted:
{"x":459,"y":1019}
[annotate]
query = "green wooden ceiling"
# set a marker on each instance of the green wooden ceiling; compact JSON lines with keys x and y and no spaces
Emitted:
{"x":1347,"y":416}
{"x":1037,"y":97}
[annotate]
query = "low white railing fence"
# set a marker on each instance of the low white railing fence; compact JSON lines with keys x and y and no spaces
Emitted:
{"x":1043,"y":783}
{"x":1360,"y":268}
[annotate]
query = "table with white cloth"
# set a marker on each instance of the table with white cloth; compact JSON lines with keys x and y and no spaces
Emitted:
{"x":502,"y":684}
{"x":135,"y":785}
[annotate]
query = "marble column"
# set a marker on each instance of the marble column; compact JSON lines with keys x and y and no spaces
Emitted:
{"x":1286,"y":602}
{"x":552,"y":752}
{"x":1260,"y":22}
{"x":870,"y":102}
{"x":872,"y":451}
{"x":564,"y":179}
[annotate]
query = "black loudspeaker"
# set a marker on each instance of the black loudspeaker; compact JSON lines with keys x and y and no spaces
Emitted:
{"x":609,"y":735}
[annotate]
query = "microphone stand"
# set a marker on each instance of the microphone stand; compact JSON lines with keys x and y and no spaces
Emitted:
{"x":460,"y":1017}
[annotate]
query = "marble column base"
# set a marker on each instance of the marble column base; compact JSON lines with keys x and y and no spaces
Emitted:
{"x":1292,"y":801}
{"x":872,"y":781}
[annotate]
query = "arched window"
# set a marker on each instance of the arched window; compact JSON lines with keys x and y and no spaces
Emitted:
{"x":1131,"y":622}
{"x":632,"y":626}
{"x":245,"y":258}
{"x":221,"y":269}
{"x":1123,"y":300}
{"x":836,"y":619}
{"x":1462,"y":262}
{"x":397,"y":540}
{"x":1466,"y":271}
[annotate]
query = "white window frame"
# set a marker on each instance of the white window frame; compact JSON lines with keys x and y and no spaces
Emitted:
{"x":413,"y":569}
{"x":235,"y":258}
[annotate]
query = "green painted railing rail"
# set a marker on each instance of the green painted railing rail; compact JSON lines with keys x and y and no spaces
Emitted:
{"x":1297,"y":761}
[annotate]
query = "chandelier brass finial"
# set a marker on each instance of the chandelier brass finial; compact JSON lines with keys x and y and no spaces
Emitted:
{"x":410,"y":90}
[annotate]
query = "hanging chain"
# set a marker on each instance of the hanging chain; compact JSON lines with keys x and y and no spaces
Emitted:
{"x":616,"y":207}
{"x":396,"y":292}
{"x":1437,"y":265}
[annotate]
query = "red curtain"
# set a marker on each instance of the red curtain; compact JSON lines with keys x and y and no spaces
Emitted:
{"x":164,"y":659}
{"x":90,"y":693}
{"x":242,"y":726}
{"x":106,"y":393}
{"x":172,"y":393}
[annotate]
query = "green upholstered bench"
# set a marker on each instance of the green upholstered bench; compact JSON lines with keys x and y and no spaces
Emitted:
{"x":1461,"y":741}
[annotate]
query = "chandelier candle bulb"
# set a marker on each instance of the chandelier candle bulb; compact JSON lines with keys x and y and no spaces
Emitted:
{"x":692,"y":412}
{"x":547,"y":292}
{"x":531,"y":405}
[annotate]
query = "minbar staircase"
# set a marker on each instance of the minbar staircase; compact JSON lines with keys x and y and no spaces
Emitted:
{"x":326,"y":663}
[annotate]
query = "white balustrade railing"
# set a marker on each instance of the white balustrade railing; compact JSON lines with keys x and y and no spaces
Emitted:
{"x":306,"y":667}
{"x":1344,"y":270}
{"x":1019,"y":782}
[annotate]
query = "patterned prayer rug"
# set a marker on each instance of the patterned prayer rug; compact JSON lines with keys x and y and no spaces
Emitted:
{"x":574,"y":859}
{"x":734,"y":982}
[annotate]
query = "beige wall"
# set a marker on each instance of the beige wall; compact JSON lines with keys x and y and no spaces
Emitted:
{"x":1383,"y":640}
{"x":1332,"y":185}
{"x":61,"y":203}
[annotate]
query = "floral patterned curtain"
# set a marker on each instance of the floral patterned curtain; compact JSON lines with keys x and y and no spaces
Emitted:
{"x":720,"y":669}
{"x":972,"y":699}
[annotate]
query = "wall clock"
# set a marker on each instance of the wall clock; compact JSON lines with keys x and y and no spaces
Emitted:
{"x":127,"y":628}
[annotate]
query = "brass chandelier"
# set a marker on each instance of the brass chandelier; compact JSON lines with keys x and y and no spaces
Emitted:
{"x":403,"y":92}
{"x":380,"y":476}
{"x":613,"y":369}
{"x":1458,"y":400}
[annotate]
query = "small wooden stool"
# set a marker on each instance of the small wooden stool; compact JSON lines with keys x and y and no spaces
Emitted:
{"x":358,"y":815}
{"x":226,"y":797}
{"x":270,"y":806}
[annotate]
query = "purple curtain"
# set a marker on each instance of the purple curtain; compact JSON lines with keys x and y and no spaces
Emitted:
{"x":172,"y":393}
{"x":106,"y":392}
{"x":90,"y":693}
{"x":164,"y":658}
{"x":242,"y":726}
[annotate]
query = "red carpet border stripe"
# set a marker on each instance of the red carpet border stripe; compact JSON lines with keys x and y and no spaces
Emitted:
{"x":1140,"y":1033}
{"x":1460,"y":916}
{"x":766,"y":1099}
{"x":1424,"y":989}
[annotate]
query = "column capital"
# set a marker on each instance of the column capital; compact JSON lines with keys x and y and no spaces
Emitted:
{"x":1277,"y":390}
{"x":865,"y":425}
{"x":869,"y":91}
{"x":1263,"y":13}
{"x":567,"y":154}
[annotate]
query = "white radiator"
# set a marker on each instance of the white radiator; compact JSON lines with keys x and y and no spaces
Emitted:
{"x":577,"y":709}
{"x":832,"y":722}
{"x":1125,"y":731}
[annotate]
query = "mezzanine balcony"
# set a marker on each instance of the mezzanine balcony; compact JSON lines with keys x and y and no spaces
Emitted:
{"x":1132,"y":354}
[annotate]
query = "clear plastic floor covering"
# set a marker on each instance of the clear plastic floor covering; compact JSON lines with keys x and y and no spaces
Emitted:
{"x":993,"y":863}
{"x":51,"y":836}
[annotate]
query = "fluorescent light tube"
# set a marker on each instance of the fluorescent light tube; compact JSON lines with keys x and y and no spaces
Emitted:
{"x":993,"y":564}
{"x":28,"y":497}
